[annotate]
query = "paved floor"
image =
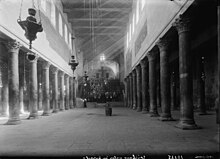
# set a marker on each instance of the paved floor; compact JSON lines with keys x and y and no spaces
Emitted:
{"x":83,"y":131}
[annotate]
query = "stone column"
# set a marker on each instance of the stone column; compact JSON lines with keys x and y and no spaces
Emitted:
{"x":134,"y":84}
{"x":54,"y":71}
{"x":139,"y":89}
{"x":173,"y":92}
{"x":128,"y":91}
{"x":74,"y":92}
{"x":62,"y":102}
{"x":33,"y":90}
{"x":201,"y":87}
{"x":67,"y":92}
{"x":46,"y":88}
{"x":131,"y":91}
{"x":186,"y":101}
{"x":126,"y":88}
{"x":144,"y":78}
{"x":152,"y":84}
{"x":5,"y":103}
{"x":39,"y":79}
{"x":13,"y":80}
{"x":165,"y":80}
{"x":21,"y":82}
{"x":71,"y":92}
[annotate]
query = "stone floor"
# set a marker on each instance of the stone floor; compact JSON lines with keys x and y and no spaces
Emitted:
{"x":87,"y":131}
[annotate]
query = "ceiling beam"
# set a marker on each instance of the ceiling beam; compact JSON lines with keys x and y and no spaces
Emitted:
{"x":72,"y":10}
{"x":99,"y":27}
{"x":97,"y":19}
{"x":98,"y":34}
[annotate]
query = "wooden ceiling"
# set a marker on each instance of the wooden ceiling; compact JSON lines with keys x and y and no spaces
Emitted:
{"x":99,"y":25}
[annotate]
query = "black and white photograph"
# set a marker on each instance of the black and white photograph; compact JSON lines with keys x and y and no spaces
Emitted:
{"x":110,"y":79}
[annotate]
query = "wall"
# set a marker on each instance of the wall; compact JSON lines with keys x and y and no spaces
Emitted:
{"x":155,"y":20}
{"x":49,"y":44}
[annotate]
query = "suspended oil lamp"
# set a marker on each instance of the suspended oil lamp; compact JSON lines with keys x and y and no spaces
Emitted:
{"x":73,"y":63}
{"x":30,"y":26}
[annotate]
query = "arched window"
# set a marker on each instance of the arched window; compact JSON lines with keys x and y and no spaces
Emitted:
{"x":142,"y":4}
{"x":66,"y":34}
{"x":137,"y":11}
{"x":53,"y":14}
{"x":60,"y":25}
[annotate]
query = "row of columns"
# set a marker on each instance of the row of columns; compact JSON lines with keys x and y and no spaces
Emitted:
{"x":14,"y":97}
{"x":141,"y":83}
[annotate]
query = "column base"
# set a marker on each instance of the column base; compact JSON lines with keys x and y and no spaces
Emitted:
{"x":55,"y":111}
{"x":62,"y":110}
{"x":3,"y":115}
{"x":33,"y":116}
{"x":203,"y":113}
{"x":154,"y":114}
{"x":46,"y":114}
{"x":166,"y":119}
{"x":187,"y":125}
{"x":139,"y":109}
{"x":145,"y":112}
{"x":13,"y":122}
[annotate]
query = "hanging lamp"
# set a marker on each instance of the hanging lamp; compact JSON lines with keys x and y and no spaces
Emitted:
{"x":30,"y":25}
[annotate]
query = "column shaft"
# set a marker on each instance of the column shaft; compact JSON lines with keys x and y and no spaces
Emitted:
{"x":186,"y":89}
{"x":152,"y":84}
{"x":33,"y":87}
{"x":67,"y":92}
{"x":139,"y":89}
{"x":144,"y":77}
{"x":173,"y":92}
{"x":131,"y":91}
{"x":13,"y":79}
{"x":5,"y":92}
{"x":55,"y":89}
{"x":134,"y":80}
{"x":74,"y":92}
{"x":165,"y":81}
{"x":201,"y":87}
{"x":71,"y":92}
{"x":62,"y":107}
{"x":46,"y":88}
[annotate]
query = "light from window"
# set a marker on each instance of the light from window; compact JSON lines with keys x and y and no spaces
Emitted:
{"x":53,"y":14}
{"x":60,"y":25}
{"x":70,"y":42}
{"x":130,"y":32}
{"x":127,"y":39}
{"x":43,"y":5}
{"x":137,"y":11}
{"x":133,"y":21}
{"x":66,"y":34}
{"x":142,"y":4}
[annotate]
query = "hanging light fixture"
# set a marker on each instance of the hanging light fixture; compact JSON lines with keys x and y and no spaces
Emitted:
{"x":30,"y":25}
{"x":73,"y":63}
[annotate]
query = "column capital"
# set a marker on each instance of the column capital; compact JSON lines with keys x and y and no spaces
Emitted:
{"x":13,"y":46}
{"x":45,"y":64}
{"x":54,"y":69}
{"x":61,"y":73}
{"x":32,"y":57}
{"x":66,"y":76}
{"x":163,"y":44}
{"x":130,"y":75}
{"x":143,"y":63}
{"x":138,"y":70}
{"x":151,"y":55}
{"x":134,"y":73}
{"x":182,"y":24}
